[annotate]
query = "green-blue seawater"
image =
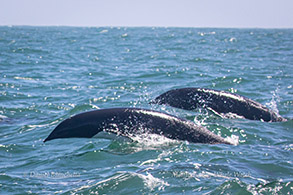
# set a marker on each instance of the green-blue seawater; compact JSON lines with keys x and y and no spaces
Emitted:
{"x":48,"y":74}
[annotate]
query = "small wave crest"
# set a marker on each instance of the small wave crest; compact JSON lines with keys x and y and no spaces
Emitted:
{"x":2,"y":117}
{"x":118,"y":182}
{"x":152,"y":182}
{"x":275,"y":187}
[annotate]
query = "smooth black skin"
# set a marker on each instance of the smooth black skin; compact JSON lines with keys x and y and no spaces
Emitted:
{"x":219,"y":101}
{"x":129,"y":121}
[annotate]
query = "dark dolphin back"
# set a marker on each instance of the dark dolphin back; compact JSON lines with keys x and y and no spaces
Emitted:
{"x":219,"y":101}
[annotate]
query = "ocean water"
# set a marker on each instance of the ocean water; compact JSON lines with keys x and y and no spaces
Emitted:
{"x":48,"y":74}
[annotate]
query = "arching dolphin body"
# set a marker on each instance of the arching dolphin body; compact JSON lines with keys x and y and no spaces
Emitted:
{"x":129,"y":121}
{"x":218,"y":101}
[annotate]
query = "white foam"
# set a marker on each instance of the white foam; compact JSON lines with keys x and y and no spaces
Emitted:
{"x":153,"y":141}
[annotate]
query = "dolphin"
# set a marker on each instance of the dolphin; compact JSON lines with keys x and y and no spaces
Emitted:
{"x":220,"y":102}
{"x":133,"y":121}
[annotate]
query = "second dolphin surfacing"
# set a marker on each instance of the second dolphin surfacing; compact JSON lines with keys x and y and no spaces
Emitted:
{"x":218,"y":101}
{"x":130,"y":121}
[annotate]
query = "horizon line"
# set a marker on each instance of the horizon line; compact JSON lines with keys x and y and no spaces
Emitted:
{"x":137,"y":26}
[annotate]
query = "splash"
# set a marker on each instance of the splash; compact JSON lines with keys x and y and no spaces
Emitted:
{"x":273,"y":103}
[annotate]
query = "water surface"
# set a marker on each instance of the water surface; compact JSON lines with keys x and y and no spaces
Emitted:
{"x":48,"y":74}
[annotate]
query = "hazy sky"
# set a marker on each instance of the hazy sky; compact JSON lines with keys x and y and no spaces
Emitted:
{"x":180,"y":13}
